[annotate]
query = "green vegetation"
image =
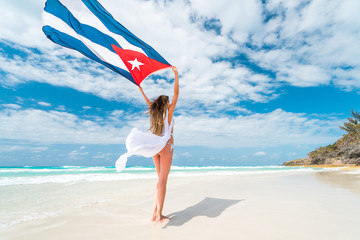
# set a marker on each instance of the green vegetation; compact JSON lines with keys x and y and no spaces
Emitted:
{"x":321,"y":151}
{"x":345,"y":150}
{"x":353,"y":126}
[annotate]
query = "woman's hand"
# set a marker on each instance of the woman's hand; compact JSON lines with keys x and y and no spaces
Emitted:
{"x":174,"y":69}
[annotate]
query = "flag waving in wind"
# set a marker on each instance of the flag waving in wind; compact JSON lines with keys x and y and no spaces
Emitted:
{"x":86,"y":26}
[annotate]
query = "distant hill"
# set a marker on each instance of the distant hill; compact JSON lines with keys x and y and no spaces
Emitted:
{"x":345,"y":151}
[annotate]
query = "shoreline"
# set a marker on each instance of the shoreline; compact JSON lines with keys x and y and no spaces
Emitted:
{"x":261,"y":206}
{"x":342,"y":166}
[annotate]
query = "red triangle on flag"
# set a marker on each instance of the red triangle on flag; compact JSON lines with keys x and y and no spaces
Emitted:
{"x":139,"y":65}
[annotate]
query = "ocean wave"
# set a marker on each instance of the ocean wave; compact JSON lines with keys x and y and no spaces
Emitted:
{"x":225,"y":167}
{"x":73,"y":178}
{"x":52,"y":169}
{"x":136,"y":168}
{"x":229,"y":173}
{"x":141,"y":173}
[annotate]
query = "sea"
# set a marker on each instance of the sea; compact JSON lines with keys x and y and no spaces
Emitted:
{"x":32,"y":193}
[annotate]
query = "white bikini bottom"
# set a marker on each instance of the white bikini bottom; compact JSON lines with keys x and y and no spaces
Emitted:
{"x":171,"y":146}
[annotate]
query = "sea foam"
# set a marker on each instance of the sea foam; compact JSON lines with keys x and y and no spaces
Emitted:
{"x":71,"y":174}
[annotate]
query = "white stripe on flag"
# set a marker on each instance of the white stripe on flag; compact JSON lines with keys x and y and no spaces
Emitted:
{"x":106,"y":55}
{"x":83,"y":14}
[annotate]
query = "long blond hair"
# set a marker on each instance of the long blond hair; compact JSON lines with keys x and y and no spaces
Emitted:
{"x":156,"y":111}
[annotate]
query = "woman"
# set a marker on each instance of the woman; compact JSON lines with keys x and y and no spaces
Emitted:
{"x":161,"y":120}
{"x":157,"y":144}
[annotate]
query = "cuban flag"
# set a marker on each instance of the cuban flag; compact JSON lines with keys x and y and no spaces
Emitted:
{"x":86,"y":26}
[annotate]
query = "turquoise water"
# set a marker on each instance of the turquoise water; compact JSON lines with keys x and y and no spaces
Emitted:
{"x":70,"y":174}
{"x":31,"y":193}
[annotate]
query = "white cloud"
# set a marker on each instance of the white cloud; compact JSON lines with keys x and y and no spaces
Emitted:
{"x":11,"y":105}
{"x":277,"y":128}
{"x":100,"y":155}
{"x":48,"y":127}
{"x":61,"y":108}
{"x":238,"y":18}
{"x":305,"y":43}
{"x":15,"y":148}
{"x":312,"y":42}
{"x":261,"y":153}
{"x":75,"y":154}
{"x":185,"y":154}
{"x":44,"y":104}
{"x":20,"y":22}
{"x":170,"y":31}
{"x":52,"y":67}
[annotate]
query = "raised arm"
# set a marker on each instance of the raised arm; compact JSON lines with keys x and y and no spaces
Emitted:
{"x":176,"y":94}
{"x":146,"y":99}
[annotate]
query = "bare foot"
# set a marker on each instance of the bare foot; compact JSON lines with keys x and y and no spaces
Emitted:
{"x":153,"y":218}
{"x":162,"y":219}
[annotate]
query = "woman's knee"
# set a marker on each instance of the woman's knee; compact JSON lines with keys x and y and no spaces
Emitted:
{"x":162,"y":182}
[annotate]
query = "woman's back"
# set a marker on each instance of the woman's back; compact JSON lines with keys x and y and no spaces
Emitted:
{"x":167,"y":127}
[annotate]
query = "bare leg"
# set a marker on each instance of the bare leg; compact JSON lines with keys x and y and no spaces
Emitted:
{"x":156,"y":159}
{"x":165,"y":164}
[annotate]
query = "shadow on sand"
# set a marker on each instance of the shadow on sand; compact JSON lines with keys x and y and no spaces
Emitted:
{"x":208,"y":207}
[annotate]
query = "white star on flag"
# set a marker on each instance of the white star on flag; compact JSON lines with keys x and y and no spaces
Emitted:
{"x":135,"y":64}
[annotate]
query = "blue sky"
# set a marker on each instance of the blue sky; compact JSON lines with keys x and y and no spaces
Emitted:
{"x":261,"y":83}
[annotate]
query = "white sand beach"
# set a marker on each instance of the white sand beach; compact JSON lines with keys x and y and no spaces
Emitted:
{"x":291,"y":205}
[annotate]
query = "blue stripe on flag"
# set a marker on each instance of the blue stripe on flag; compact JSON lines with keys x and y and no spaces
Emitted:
{"x":107,"y":19}
{"x":55,"y":8}
{"x":65,"y":40}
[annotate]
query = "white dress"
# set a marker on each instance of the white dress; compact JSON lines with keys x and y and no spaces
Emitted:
{"x":145,"y":144}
